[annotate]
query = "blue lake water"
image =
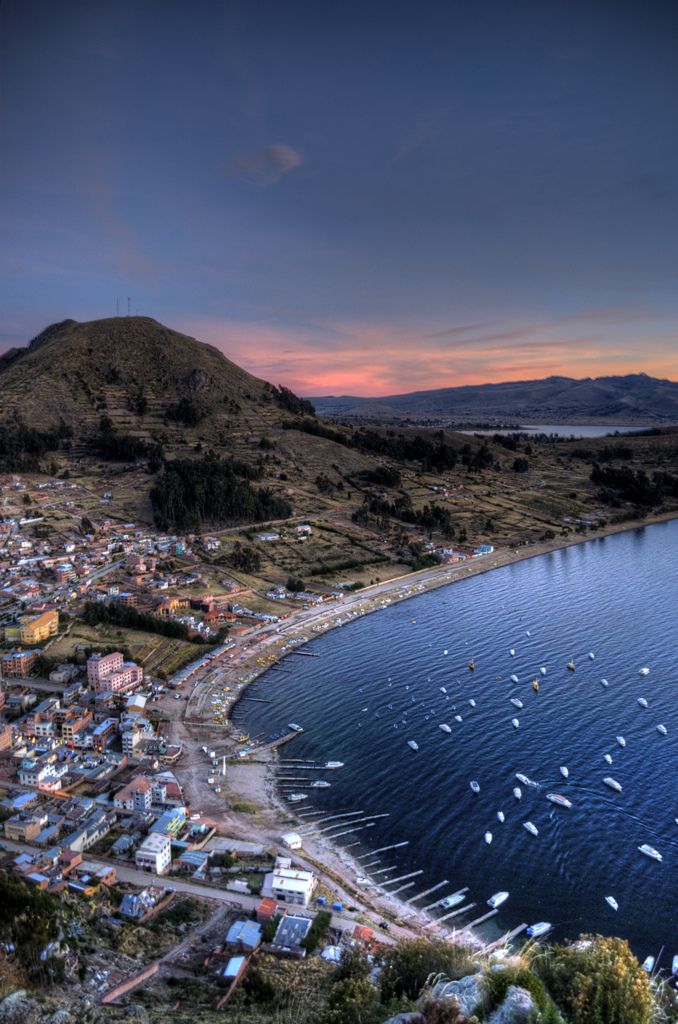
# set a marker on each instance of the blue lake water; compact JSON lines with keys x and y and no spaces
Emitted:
{"x":616,"y":597}
{"x":560,"y":430}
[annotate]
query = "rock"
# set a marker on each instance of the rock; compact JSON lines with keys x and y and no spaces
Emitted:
{"x":468,"y":992}
{"x":19,"y":1008}
{"x":407,"y":1018}
{"x":518,"y":1008}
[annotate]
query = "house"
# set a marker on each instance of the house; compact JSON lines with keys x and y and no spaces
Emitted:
{"x":290,"y":933}
{"x":38,"y":628}
{"x":19,"y":663}
{"x":268,"y":536}
{"x":154,"y":854}
{"x":289,"y":886}
{"x":292,"y":840}
{"x":171,"y":822}
{"x":243,"y":936}
{"x":483,"y":549}
{"x":266,"y":910}
{"x":231,"y":973}
{"x":136,"y":796}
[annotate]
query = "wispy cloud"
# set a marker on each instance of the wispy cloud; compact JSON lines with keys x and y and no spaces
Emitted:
{"x":267,"y":165}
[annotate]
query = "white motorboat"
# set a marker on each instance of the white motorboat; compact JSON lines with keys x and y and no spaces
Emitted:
{"x":621,"y":741}
{"x":531,"y":828}
{"x":517,"y":702}
{"x":604,"y":682}
{"x":361,"y":880}
{"x":565,"y":772}
{"x":442,"y":689}
{"x":650,"y":851}
{"x":661,"y":729}
{"x":644,"y":671}
{"x":488,"y":838}
{"x":612,"y":902}
{"x":320,"y":784}
{"x":524,"y":779}
{"x":475,"y":786}
{"x":295,"y":798}
{"x":608,"y":758}
{"x":413,"y":745}
{"x":451,"y":901}
{"x":472,"y":702}
{"x":556,"y":798}
{"x":501,"y":816}
{"x":591,"y":655}
{"x":514,"y":678}
{"x":517,"y":792}
{"x":643,"y":703}
{"x":543,"y":670}
{"x":515,"y":723}
{"x":674,"y":965}
{"x":458,"y":718}
{"x":444,"y":727}
{"x":540,"y":928}
{"x":512,"y":653}
{"x":612,"y":783}
{"x":294,"y":727}
{"x":334,"y":764}
{"x":497,"y":900}
{"x":648,"y":964}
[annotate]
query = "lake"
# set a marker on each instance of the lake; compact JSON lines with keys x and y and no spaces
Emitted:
{"x":559,"y":430}
{"x":376,"y":685}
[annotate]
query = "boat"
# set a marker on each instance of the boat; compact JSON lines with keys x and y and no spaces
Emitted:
{"x":524,"y":779}
{"x":612,"y":783}
{"x":650,"y":851}
{"x":661,"y":729}
{"x":334,"y":764}
{"x":648,"y":964}
{"x":527,"y":633}
{"x":543,"y":670}
{"x":472,"y":702}
{"x":458,"y":718}
{"x":413,"y":745}
{"x":565,"y":772}
{"x":674,"y":965}
{"x":517,"y":702}
{"x":531,"y":828}
{"x":294,"y":727}
{"x":571,"y":666}
{"x":540,"y":928}
{"x":514,"y":678}
{"x":621,"y":741}
{"x":643,"y":703}
{"x":295,"y":798}
{"x":472,"y":664}
{"x":604,"y":682}
{"x":515,"y":723}
{"x":320,"y":784}
{"x":612,"y":902}
{"x":535,"y":686}
{"x":608,"y":758}
{"x":488,"y":838}
{"x":591,"y":655}
{"x":517,"y":793}
{"x":444,"y":727}
{"x":512,"y":653}
{"x":644,"y":671}
{"x":475,"y":786}
{"x":361,"y":880}
{"x":497,"y":900}
{"x":556,"y":798}
{"x":501,"y":816}
{"x":442,"y":689}
{"x":452,"y":901}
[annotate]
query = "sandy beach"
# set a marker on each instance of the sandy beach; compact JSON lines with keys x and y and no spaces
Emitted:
{"x":253,"y":782}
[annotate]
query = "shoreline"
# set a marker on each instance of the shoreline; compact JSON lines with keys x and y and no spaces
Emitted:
{"x":270,"y":647}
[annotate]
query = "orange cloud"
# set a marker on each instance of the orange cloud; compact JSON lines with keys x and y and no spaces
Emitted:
{"x":363,"y":358}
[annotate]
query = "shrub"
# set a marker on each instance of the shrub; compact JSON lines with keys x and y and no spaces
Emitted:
{"x":406,"y":966}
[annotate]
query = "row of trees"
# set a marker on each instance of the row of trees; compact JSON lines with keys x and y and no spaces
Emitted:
{"x":116,"y":614}
{"x":431,"y":517}
{"x":191,"y":492}
{"x":22,"y":447}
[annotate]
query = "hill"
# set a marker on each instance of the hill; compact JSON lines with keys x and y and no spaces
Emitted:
{"x":130,"y":369}
{"x":634,"y":398}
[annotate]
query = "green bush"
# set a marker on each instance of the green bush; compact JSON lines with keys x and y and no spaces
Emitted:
{"x":353,"y":1001}
{"x":497,"y":984}
{"x":406,"y":967}
{"x":317,"y":931}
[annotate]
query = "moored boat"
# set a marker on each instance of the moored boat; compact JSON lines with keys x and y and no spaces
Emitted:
{"x":320,"y":784}
{"x":295,"y":798}
{"x":621,"y":741}
{"x":674,"y":965}
{"x":475,"y":786}
{"x":451,"y":901}
{"x":608,"y":758}
{"x":612,"y":902}
{"x":294,"y":727}
{"x":604,"y":682}
{"x":540,"y":928}
{"x":517,"y":702}
{"x":497,"y":900}
{"x":515,"y":723}
{"x":612,"y":783}
{"x":458,"y":718}
{"x":501,"y":816}
{"x":662,"y":729}
{"x":650,"y":851}
{"x":413,"y":745}
{"x":543,"y":670}
{"x":445,"y":727}
{"x":488,"y":838}
{"x":517,"y":792}
{"x":556,"y":798}
{"x":531,"y":828}
{"x":648,"y":964}
{"x":472,"y":664}
{"x":514,"y":678}
{"x":571,"y":666}
{"x":643,"y":703}
{"x":644,"y":671}
{"x":334,"y":764}
{"x":565,"y":772}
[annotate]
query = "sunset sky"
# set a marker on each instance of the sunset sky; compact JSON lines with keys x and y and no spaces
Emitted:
{"x":363,"y":198}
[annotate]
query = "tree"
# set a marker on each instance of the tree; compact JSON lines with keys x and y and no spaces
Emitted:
{"x":246,"y":559}
{"x":295,"y":585}
{"x":406,"y":966}
{"x":520,"y":465}
{"x":86,"y":525}
{"x":597,"y":980}
{"x":353,"y":1001}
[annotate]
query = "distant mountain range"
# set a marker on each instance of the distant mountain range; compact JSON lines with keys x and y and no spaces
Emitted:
{"x":634,"y":399}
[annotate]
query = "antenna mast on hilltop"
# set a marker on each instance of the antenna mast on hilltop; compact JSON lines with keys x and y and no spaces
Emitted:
{"x":128,"y":305}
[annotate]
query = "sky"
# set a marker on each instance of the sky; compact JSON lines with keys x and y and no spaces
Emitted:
{"x":355,"y":198}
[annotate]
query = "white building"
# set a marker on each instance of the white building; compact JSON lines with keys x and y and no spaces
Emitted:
{"x":292,"y":840}
{"x":288,"y":886}
{"x":154,"y":854}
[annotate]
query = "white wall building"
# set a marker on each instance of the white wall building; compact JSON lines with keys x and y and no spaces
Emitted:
{"x":288,"y":886}
{"x":154,"y":854}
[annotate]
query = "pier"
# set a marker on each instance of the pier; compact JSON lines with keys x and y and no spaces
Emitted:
{"x":437,"y":903}
{"x":426,"y":892}
{"x":485,"y":917}
{"x":453,"y":913}
{"x":382,"y":849}
{"x":401,"y":878}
